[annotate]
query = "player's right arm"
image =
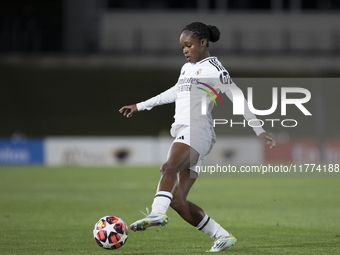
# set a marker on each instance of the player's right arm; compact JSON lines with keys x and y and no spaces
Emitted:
{"x":128,"y":110}
{"x":168,"y":96}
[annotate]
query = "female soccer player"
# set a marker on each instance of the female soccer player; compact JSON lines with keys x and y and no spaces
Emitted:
{"x":193,"y":132}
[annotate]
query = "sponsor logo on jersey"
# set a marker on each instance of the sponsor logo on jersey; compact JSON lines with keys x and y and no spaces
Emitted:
{"x":181,"y":137}
{"x":198,"y":71}
{"x":185,"y":84}
{"x":185,"y":87}
{"x":188,"y":80}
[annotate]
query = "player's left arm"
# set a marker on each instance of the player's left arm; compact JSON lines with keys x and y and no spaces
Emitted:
{"x":260,"y":132}
{"x":268,"y":139}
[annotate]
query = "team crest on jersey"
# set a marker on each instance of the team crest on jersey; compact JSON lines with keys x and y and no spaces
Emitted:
{"x":198,"y":71}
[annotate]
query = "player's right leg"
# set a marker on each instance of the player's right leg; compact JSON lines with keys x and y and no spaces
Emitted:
{"x":153,"y":219}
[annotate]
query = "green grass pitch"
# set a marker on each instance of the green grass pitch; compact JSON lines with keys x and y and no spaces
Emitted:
{"x":52,"y":210}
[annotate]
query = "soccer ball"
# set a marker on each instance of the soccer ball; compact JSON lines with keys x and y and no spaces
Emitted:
{"x":110,"y":232}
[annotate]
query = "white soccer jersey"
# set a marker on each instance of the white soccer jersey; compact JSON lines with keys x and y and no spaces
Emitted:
{"x":196,"y":85}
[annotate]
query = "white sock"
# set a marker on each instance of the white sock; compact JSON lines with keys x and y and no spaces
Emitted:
{"x":212,"y":228}
{"x":161,"y":202}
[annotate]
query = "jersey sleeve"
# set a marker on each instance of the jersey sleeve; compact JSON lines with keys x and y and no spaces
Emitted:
{"x":248,"y":115}
{"x":168,"y":96}
{"x":222,"y":82}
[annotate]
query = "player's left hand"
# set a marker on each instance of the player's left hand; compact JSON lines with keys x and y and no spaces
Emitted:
{"x":268,"y":139}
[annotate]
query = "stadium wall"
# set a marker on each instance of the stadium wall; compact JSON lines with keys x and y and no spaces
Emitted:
{"x":120,"y":151}
{"x":45,"y":101}
{"x":250,"y":42}
{"x":110,"y":151}
{"x":261,"y":32}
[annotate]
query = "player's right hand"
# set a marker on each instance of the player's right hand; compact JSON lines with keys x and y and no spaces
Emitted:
{"x":128,"y":110}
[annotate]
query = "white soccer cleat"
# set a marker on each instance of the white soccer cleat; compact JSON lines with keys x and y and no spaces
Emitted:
{"x":153,"y":219}
{"x":223,"y":243}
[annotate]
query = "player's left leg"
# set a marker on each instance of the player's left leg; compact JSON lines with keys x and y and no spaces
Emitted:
{"x":190,"y":212}
{"x":195,"y":215}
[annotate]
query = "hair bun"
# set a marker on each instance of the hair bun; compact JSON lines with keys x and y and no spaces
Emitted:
{"x":214,"y":33}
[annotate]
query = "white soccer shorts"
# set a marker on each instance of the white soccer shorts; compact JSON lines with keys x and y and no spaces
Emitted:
{"x":200,"y":139}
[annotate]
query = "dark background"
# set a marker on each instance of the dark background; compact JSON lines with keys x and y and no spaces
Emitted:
{"x":42,"y":99}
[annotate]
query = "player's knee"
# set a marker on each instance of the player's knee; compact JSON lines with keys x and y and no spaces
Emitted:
{"x":164,"y":168}
{"x":168,"y":167}
{"x":177,"y":204}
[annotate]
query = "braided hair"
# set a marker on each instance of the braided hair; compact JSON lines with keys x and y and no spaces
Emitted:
{"x":202,"y":31}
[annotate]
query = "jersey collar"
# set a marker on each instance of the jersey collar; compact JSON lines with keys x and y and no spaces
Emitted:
{"x":206,"y":59}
